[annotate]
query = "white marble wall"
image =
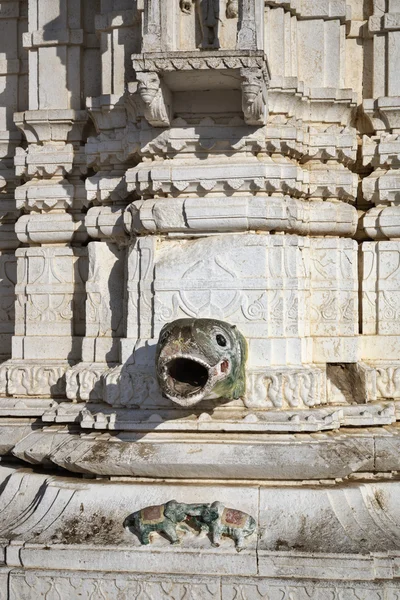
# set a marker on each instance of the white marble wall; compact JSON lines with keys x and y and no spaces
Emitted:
{"x":155,"y":165}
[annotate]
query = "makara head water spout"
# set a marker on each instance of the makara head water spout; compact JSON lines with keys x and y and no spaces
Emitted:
{"x":200,"y":358}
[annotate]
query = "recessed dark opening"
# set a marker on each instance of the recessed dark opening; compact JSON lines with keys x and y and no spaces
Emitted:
{"x":188,"y":376}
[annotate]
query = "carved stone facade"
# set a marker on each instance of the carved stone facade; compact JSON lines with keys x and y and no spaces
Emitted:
{"x":228,"y":160}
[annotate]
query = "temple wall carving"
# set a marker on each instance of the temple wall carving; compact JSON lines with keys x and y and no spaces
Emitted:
{"x":225,"y":173}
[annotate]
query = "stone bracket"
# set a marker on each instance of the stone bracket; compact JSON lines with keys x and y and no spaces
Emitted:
{"x":254,"y":97}
{"x":157,"y":73}
{"x":156,"y":98}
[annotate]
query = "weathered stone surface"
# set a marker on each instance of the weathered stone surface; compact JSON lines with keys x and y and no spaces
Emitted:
{"x":321,"y":455}
{"x":233,"y":160}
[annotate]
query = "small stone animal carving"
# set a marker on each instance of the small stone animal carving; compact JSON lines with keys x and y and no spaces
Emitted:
{"x":200,"y":358}
{"x":227,"y":521}
{"x":163,"y":518}
{"x":213,"y":518}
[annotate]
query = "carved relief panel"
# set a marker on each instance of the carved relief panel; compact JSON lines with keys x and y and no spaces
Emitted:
{"x":380,"y":287}
{"x":252,"y":280}
{"x":334,"y":287}
{"x":202,"y":24}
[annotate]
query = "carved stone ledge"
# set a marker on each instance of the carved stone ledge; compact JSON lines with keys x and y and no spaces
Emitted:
{"x":384,"y":112}
{"x":232,"y":418}
{"x":107,"y":222}
{"x":161,"y":62}
{"x":381,"y":187}
{"x":110,"y":585}
{"x":328,"y":106}
{"x":273,"y":175}
{"x":240,"y":213}
{"x":107,"y":187}
{"x":363,"y":538}
{"x":179,"y":454}
{"x":331,"y":180}
{"x":226,"y":133}
{"x":382,"y":223}
{"x":159,"y":72}
{"x":55,"y":125}
{"x":332,"y":142}
{"x":324,"y":9}
{"x":51,"y":228}
{"x":108,"y":111}
{"x":25,"y":406}
{"x":382,"y":150}
{"x":50,"y":160}
{"x":45,"y":195}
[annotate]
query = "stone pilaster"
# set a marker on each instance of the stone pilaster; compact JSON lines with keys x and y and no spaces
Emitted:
{"x":380,"y":257}
{"x":52,"y":267}
{"x":13,"y":69}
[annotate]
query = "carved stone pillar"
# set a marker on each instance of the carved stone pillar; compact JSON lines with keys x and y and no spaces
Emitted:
{"x":113,"y":143}
{"x":381,"y":223}
{"x":51,"y":270}
{"x":13,"y":96}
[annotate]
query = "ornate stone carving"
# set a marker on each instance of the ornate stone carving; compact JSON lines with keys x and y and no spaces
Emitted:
{"x":174,"y":61}
{"x":33,"y":378}
{"x":84,"y":382}
{"x":201,"y":358}
{"x":162,"y":518}
{"x":227,"y":521}
{"x":155,"y":98}
{"x":254,"y":98}
{"x":286,"y":389}
{"x":214,"y":518}
{"x":201,"y":208}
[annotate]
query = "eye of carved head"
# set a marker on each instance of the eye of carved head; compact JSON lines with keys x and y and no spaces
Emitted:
{"x":221,"y":340}
{"x":164,"y":336}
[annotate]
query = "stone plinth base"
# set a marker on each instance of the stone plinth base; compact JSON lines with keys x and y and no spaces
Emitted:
{"x":63,"y":537}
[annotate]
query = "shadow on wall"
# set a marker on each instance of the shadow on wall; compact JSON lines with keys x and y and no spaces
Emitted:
{"x":13,"y":97}
{"x":134,"y":386}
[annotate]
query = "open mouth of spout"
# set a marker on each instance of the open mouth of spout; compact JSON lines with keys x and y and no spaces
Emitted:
{"x":186,"y":377}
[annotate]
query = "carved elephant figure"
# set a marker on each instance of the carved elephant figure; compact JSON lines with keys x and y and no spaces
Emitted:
{"x":163,"y":518}
{"x":233,"y":523}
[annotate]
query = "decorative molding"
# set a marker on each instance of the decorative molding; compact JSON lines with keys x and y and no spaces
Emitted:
{"x":84,"y":382}
{"x":207,"y":59}
{"x":286,"y":389}
{"x":30,"y":378}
